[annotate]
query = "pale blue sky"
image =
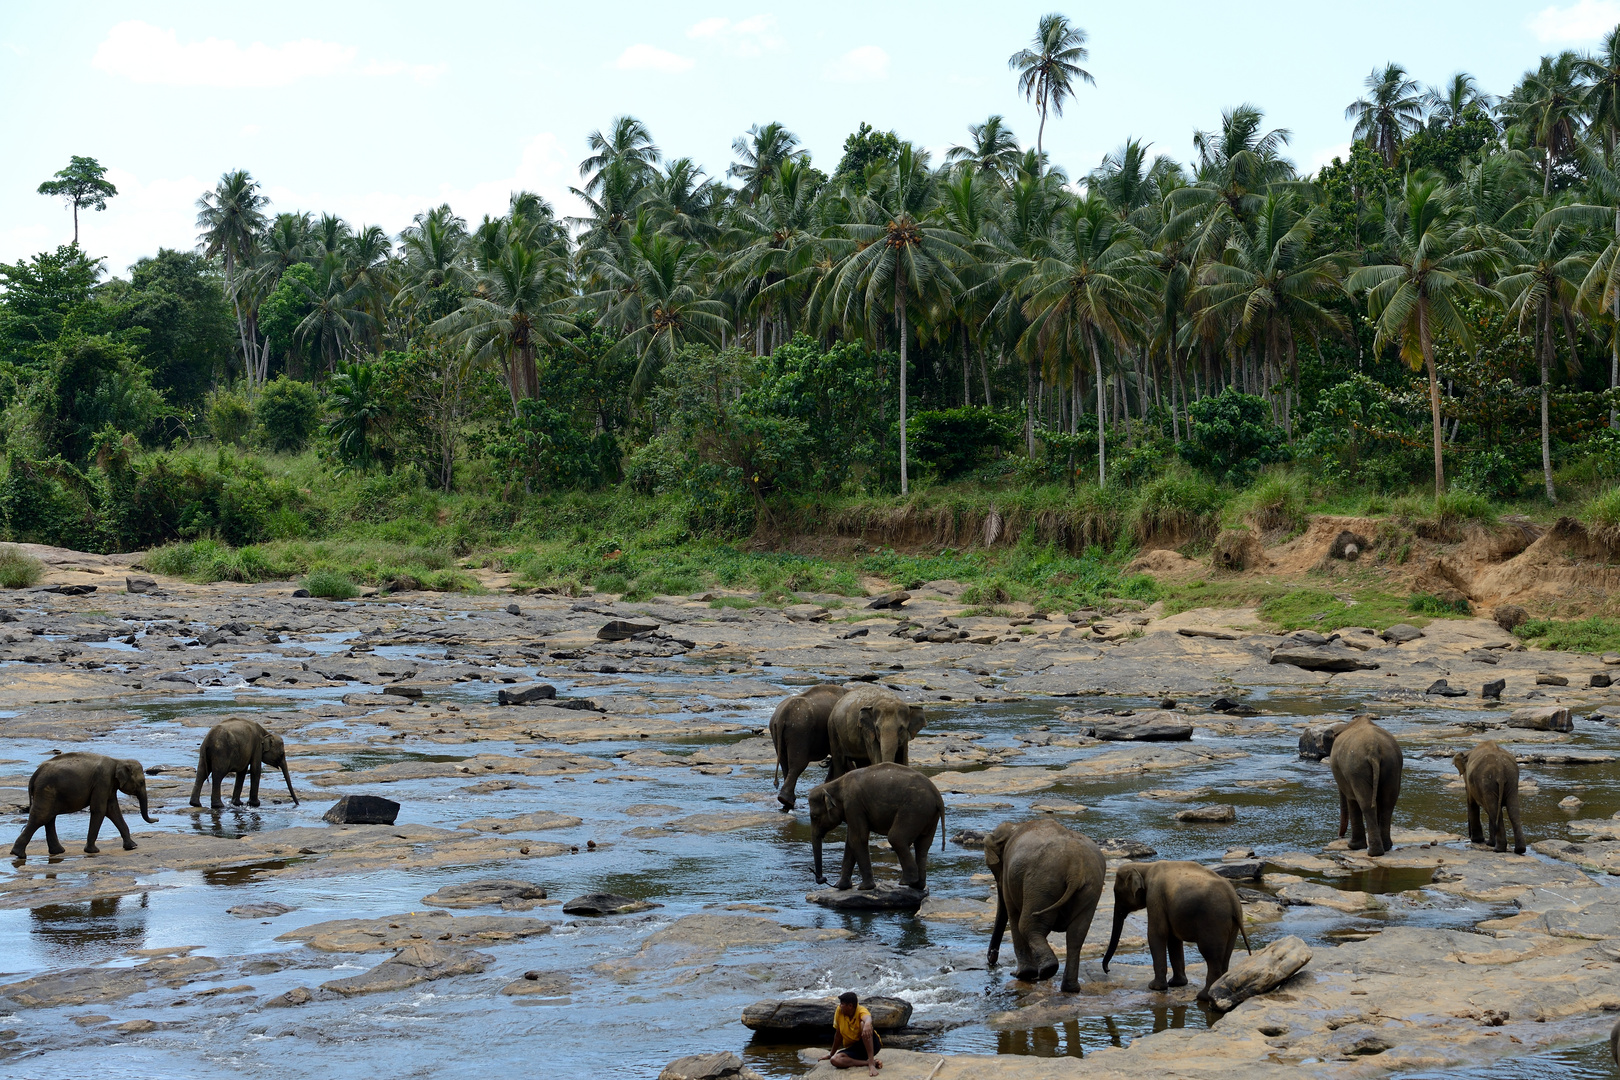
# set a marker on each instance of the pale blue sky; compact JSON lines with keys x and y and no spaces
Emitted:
{"x":378,"y":110}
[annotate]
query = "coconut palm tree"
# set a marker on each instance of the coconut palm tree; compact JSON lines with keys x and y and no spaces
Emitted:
{"x":1048,"y":70}
{"x":1602,"y":72}
{"x":1419,"y":293}
{"x":627,"y":142}
{"x":775,"y":249}
{"x":1455,"y":101}
{"x":337,"y":312}
{"x":991,"y":149}
{"x":230,"y":219}
{"x":521,"y":301}
{"x":1546,"y":109}
{"x":1095,"y":287}
{"x":760,"y":154}
{"x":890,"y":255}
{"x":1392,"y":109}
{"x":435,"y":275}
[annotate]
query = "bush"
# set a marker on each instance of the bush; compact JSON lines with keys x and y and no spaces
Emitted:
{"x":330,"y":585}
{"x":1233,"y":436}
{"x":1595,"y":635}
{"x":1438,"y":606}
{"x":1491,"y":473}
{"x":19,"y":570}
{"x":230,"y":417}
{"x":288,"y":412}
{"x":1602,"y":513}
{"x":954,"y":442}
{"x":1275,"y":503}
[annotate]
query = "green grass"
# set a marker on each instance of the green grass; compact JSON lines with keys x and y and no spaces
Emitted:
{"x":1429,"y":604}
{"x":1317,"y":609}
{"x":19,"y":570}
{"x":375,"y":563}
{"x":330,"y":585}
{"x":1602,"y":511}
{"x":1594,"y":635}
{"x":1277,"y":502}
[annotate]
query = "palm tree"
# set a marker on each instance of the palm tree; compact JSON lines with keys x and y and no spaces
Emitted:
{"x":1237,"y":165}
{"x":1048,"y":69}
{"x":775,"y":248}
{"x":1602,"y":72}
{"x":627,"y":142}
{"x":1392,"y":108}
{"x":992,"y":149}
{"x":892,"y":254}
{"x":337,"y":315}
{"x":435,"y":276}
{"x":359,"y":412}
{"x":1455,"y":101}
{"x":1096,"y":286}
{"x":521,"y":302}
{"x":683,"y":201}
{"x":230,"y":219}
{"x":369,"y":274}
{"x":761,"y":154}
{"x":1546,"y":108}
{"x":1419,"y":293}
{"x":1601,"y":287}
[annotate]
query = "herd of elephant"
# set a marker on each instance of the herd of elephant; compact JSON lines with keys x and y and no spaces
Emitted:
{"x":1050,"y":878}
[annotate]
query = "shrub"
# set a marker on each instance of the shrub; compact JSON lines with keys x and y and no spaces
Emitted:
{"x":230,"y":417}
{"x":330,"y":585}
{"x":1602,"y":513}
{"x":1438,"y":606}
{"x":1233,"y":436}
{"x":19,"y":570}
{"x":1492,"y":473}
{"x":1594,"y":635}
{"x":957,"y":441}
{"x":1275,"y":503}
{"x":288,"y":412}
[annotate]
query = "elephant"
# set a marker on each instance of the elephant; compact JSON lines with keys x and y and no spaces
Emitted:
{"x":241,"y":747}
{"x":799,"y":733}
{"x":870,"y":725}
{"x":1492,"y":778}
{"x":1047,"y":878}
{"x":1367,"y":767}
{"x":895,"y":800}
{"x":69,"y":783}
{"x":1185,"y":902}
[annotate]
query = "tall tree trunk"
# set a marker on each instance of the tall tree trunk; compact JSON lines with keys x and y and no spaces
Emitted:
{"x":1029,"y":409}
{"x":1434,"y":394}
{"x":1546,"y":427}
{"x":1102,"y":437}
{"x":967,"y":393}
{"x":900,"y":317}
{"x":984,"y":373}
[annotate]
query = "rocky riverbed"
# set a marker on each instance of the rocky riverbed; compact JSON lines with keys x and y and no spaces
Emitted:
{"x":250,"y":939}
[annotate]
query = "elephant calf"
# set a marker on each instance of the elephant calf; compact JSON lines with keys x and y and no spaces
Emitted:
{"x":241,"y":747}
{"x":1491,"y":776}
{"x":894,"y":800}
{"x":870,"y":725}
{"x":799,"y":734}
{"x":1047,"y":878}
{"x":69,"y":783}
{"x":1185,"y":902}
{"x":1367,"y":767}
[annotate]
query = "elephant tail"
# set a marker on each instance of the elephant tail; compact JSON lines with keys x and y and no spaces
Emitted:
{"x":942,"y":824}
{"x":1247,"y":947}
{"x":1068,"y":895}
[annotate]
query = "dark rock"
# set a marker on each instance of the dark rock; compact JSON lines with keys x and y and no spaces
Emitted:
{"x":1482,"y":656}
{"x":1316,"y":741}
{"x":1445,"y":689}
{"x":623,"y":629}
{"x":301,"y":593}
{"x":1600,"y":680}
{"x":1493,"y":689}
{"x":1167,"y":703}
{"x":578,"y":703}
{"x":606,"y":904}
{"x":513,"y":609}
{"x":1205,"y":632}
{"x":1348,"y":546}
{"x":483,"y":893}
{"x":210,"y":638}
{"x":1551,"y":680}
{"x":1242,"y":709}
{"x":846,"y":635}
{"x":969,"y":838}
{"x":1545,"y":718}
{"x":1222,"y":704}
{"x":1219,"y":814}
{"x":1313,"y":659}
{"x":719,"y":1066}
{"x":362,"y":810}
{"x":70,"y":590}
{"x":1244,"y":870}
{"x":403,"y":690}
{"x":1119,"y":847}
{"x":883,"y":898}
{"x":527,"y":695}
{"x":91,"y":638}
{"x":1401,"y":633}
{"x":140,"y":585}
{"x":813,"y":1017}
{"x":1510,"y":617}
{"x":1309,"y":637}
{"x":889,"y":600}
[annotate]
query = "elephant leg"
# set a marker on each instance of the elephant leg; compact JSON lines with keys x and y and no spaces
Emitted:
{"x":908,"y":860}
{"x":1358,"y":827}
{"x":20,"y":848}
{"x":1075,"y":940}
{"x":1498,"y":833}
{"x":197,"y":784}
{"x":1518,"y":832}
{"x":1476,"y":833}
{"x":1344,"y":813}
{"x":96,"y":814}
{"x":1043,"y":962}
{"x":53,"y":843}
{"x":1386,"y":819}
{"x":863,"y":859}
{"x":218,"y":778}
{"x":1157,"y":937}
{"x":253,"y":789}
{"x":236,"y":792}
{"x":921,"y":848}
{"x":787,"y":794}
{"x":1178,"y":961}
{"x":116,"y":816}
{"x":1217,"y":954}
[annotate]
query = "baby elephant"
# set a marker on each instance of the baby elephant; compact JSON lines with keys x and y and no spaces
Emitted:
{"x":1492,"y":778}
{"x":1047,"y":879}
{"x":1185,"y":902}
{"x":799,"y":734}
{"x":892,"y":800}
{"x":69,"y":783}
{"x":1367,"y":767}
{"x":240,"y":747}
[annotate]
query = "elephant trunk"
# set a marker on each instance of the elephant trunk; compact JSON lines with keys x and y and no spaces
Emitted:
{"x":888,"y":746}
{"x":815,"y":846}
{"x":287,"y":776}
{"x":1113,"y":939}
{"x":144,"y":815}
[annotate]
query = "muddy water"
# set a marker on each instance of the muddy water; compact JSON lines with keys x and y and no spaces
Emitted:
{"x":629,"y":1021}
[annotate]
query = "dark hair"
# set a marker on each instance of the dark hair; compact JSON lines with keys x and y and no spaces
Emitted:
{"x":848,"y":998}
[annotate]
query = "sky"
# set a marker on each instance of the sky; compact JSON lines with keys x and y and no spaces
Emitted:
{"x":377,"y":111}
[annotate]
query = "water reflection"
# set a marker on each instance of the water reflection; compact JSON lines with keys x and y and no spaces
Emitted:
{"x":93,"y":931}
{"x":227,"y":824}
{"x":1058,"y":1041}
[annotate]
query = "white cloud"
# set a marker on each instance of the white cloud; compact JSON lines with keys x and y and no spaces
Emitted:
{"x":249,"y":130}
{"x":1325,"y":157}
{"x":148,"y":54}
{"x":651,"y":58}
{"x":868,"y":63}
{"x":1582,"y":21}
{"x":750,"y":37}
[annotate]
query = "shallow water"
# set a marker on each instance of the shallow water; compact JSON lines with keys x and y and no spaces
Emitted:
{"x":634,"y":1024}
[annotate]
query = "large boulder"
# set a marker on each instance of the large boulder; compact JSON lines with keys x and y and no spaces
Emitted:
{"x":885,"y":897}
{"x":1310,"y":658}
{"x":723,"y":1065}
{"x":1510,"y":617}
{"x":1401,"y":633}
{"x":1219,"y":814}
{"x":813,"y":1017}
{"x":606,"y":904}
{"x":1493,"y":689}
{"x":362,"y":810}
{"x":1542,"y":718}
{"x":1160,"y":725}
{"x":1445,"y":689}
{"x":889,"y":600}
{"x":1260,"y":973}
{"x":481,"y":893}
{"x":624,"y":629}
{"x":526,"y":695}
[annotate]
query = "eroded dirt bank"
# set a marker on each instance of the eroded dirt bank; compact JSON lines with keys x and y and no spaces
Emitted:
{"x":246,"y":940}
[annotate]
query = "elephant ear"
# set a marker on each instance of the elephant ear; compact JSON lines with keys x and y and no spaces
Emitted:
{"x":1461,"y":761}
{"x":127,"y":775}
{"x":914,"y":719}
{"x":994,"y":845}
{"x":865,"y":718}
{"x":267,"y":745}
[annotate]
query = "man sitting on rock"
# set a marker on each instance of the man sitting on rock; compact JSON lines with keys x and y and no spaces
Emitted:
{"x":854,"y":1041}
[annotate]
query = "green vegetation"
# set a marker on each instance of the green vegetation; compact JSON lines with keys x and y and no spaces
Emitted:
{"x":1437,"y":606}
{"x":1316,"y":609}
{"x":330,"y":585}
{"x":19,"y":570}
{"x":1594,"y":635}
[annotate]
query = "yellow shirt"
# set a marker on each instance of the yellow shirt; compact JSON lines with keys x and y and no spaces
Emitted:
{"x":848,"y":1028}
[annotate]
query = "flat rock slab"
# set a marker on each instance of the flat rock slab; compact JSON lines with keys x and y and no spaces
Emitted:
{"x":1156,"y":726}
{"x":416,"y":963}
{"x":85,"y":986}
{"x":1401,"y":633}
{"x":540,"y":819}
{"x":815,"y":1015}
{"x":723,"y":1065}
{"x":1544,"y":718}
{"x":624,"y":629}
{"x":484,"y":893}
{"x":268,"y":910}
{"x":1208,"y":632}
{"x":399,"y":931}
{"x":1311,"y":658}
{"x":1260,"y":973}
{"x":606,"y":904}
{"x":1219,"y":814}
{"x":526,"y":695}
{"x":883,"y":898}
{"x":1305,"y":892}
{"x":362,"y":810}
